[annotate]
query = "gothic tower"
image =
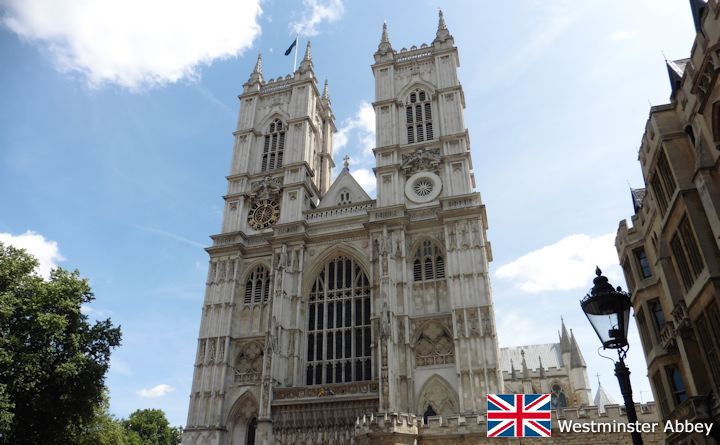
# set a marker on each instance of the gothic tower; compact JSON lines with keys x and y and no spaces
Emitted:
{"x":324,"y":305}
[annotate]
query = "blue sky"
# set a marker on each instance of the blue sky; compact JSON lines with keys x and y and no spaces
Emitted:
{"x":115,"y":139}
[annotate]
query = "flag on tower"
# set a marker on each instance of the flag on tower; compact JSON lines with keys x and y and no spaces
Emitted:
{"x":518,"y":415}
{"x":292,"y":45}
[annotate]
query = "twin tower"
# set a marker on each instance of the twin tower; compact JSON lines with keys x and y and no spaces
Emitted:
{"x":324,"y":305}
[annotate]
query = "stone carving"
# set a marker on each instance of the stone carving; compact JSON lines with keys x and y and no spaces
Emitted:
{"x":422,"y":159}
{"x":283,"y":260}
{"x":438,"y":394}
{"x":249,"y":362}
{"x":434,"y":347}
{"x":267,"y":188}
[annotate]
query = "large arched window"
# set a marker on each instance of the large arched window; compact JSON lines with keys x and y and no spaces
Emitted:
{"x":418,"y":117}
{"x":272,"y":157}
{"x":429,"y":263}
{"x":339,"y":339}
{"x":257,"y":286}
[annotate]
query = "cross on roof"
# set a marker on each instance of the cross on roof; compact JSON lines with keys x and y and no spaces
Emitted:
{"x":346,"y":163}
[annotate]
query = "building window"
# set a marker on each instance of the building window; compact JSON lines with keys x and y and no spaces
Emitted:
{"x":708,"y":330}
{"x":557,"y":397}
{"x":344,"y":198}
{"x":716,"y":123}
{"x":676,"y":384}
{"x":643,"y":262}
{"x":663,"y":183}
{"x":686,"y":253}
{"x":629,"y":277}
{"x":273,"y":147}
{"x":429,"y":412}
{"x":252,"y":428}
{"x":429,"y":263}
{"x":257,"y":286}
{"x":660,"y":393}
{"x":658,"y":315}
{"x":339,"y":338}
{"x":642,"y":328}
{"x":418,"y":117}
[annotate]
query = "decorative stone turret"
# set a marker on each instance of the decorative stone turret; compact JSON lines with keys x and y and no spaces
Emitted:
{"x":442,"y":36}
{"x":306,"y":66}
{"x":385,"y":50}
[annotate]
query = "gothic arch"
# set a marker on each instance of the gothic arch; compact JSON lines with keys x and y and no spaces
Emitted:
{"x":250,"y":267}
{"x":271,"y":116}
{"x":439,"y":394}
{"x":433,"y":345}
{"x":418,"y":242}
{"x":240,"y":416}
{"x":330,"y":253}
{"x":422,"y":84}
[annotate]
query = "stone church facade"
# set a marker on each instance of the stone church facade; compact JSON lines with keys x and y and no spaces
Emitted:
{"x":324,"y":307}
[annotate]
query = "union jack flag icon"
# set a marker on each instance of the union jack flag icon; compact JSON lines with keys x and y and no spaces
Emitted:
{"x":518,"y":415}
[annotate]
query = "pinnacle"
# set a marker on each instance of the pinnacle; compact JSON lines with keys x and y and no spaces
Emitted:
{"x":258,"y":64}
{"x":326,"y":92}
{"x":308,"y":52}
{"x":441,"y":20}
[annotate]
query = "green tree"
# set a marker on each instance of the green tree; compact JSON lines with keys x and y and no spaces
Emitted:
{"x":102,"y":429}
{"x":152,"y":428}
{"x":52,"y":360}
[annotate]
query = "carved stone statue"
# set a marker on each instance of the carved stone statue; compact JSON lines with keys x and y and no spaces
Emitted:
{"x":422,"y":159}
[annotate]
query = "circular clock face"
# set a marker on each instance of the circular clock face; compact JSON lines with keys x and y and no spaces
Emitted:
{"x":263,"y":214}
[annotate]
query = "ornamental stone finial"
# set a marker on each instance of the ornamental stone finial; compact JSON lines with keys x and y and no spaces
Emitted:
{"x":308,"y":52}
{"x":326,"y":92}
{"x":346,"y":162}
{"x":441,"y":20}
{"x":256,"y":75}
{"x":384,"y":47}
{"x":442,"y":35}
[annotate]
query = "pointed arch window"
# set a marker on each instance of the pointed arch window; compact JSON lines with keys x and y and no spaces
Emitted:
{"x":418,"y":117}
{"x":429,"y":263}
{"x":272,"y":156}
{"x":339,"y":337}
{"x":257,"y":286}
{"x":252,"y":428}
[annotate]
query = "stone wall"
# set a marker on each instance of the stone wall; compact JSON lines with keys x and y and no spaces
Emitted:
{"x":405,"y":429}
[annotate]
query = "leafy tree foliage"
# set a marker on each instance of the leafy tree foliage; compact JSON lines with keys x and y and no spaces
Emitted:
{"x":152,"y":428}
{"x":52,"y":360}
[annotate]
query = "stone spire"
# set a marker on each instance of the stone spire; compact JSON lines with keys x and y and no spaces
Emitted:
{"x":542,"y":368}
{"x":306,"y":64}
{"x":326,"y":92}
{"x":442,"y":33}
{"x":525,"y":370}
{"x":256,"y":75}
{"x":513,"y":375}
{"x":602,"y":398}
{"x":576,"y":358}
{"x":384,"y":47}
{"x":564,"y":338}
{"x":698,"y":7}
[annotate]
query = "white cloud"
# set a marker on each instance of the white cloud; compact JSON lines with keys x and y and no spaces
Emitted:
{"x":567,"y":264}
{"x":621,"y":34}
{"x":135,"y":43}
{"x":156,"y":391}
{"x":366,"y":178}
{"x":317,"y":12}
{"x":96,"y":313}
{"x":46,"y":251}
{"x":360,"y":127}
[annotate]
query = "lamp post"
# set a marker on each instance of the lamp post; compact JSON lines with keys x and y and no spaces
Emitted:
{"x":608,"y":310}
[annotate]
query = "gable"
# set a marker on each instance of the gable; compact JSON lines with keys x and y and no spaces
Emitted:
{"x":345,"y":190}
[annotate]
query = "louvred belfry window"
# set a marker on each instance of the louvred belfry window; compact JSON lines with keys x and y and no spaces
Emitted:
{"x":418,"y":117}
{"x":272,"y":155}
{"x":429,"y":263}
{"x":257,"y":286}
{"x":339,"y":337}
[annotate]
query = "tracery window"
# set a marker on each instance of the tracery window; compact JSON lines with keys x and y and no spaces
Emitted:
{"x":429,"y":263}
{"x":257,"y":286}
{"x":344,"y":197}
{"x":339,"y":338}
{"x":418,"y":117}
{"x":273,"y":147}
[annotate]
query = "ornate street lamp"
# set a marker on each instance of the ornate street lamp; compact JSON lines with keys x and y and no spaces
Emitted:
{"x":608,"y":310}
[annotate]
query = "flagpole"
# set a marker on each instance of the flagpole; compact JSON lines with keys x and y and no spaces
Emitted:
{"x":296,"y":49}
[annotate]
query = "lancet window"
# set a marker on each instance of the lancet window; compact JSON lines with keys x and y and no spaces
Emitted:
{"x":429,"y":263}
{"x":418,"y":117}
{"x":257,"y":286}
{"x":339,"y":338}
{"x":272,"y":156}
